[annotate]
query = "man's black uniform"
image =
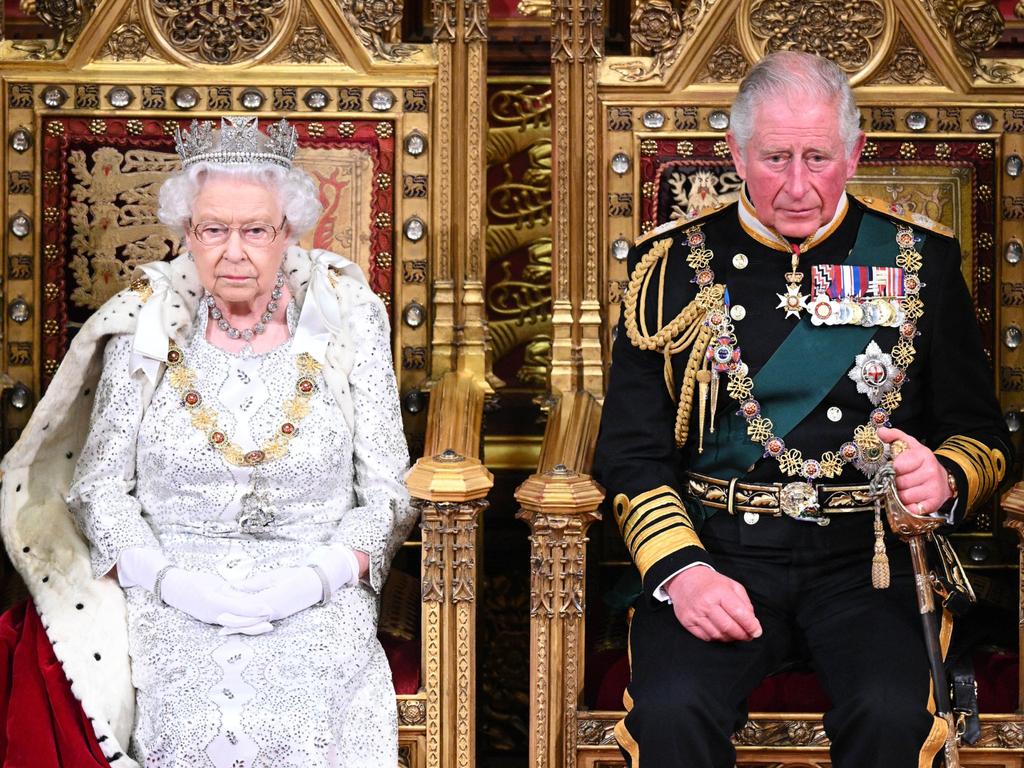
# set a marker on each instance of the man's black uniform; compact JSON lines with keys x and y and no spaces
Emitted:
{"x":809,"y":584}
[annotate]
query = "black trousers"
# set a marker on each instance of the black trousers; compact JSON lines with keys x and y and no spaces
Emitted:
{"x":686,"y":696}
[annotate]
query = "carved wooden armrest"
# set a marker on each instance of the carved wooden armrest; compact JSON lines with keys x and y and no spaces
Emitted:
{"x":1013,"y":508}
{"x":449,"y":485}
{"x":559,"y":503}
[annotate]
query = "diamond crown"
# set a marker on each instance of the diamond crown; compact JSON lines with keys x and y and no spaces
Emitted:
{"x":238,"y":142}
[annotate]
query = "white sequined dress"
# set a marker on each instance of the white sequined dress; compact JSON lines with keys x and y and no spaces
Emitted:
{"x":317,"y":690}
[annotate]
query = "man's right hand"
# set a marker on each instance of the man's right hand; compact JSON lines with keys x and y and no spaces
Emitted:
{"x":712,"y":606}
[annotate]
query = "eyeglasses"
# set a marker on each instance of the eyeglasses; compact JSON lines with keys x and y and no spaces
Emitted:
{"x":255,"y":233}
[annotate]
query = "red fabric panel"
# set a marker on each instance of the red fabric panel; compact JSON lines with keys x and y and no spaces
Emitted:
{"x":995,"y":671}
{"x":789,"y":692}
{"x":404,"y":658}
{"x":503,"y":9}
{"x":44,"y":725}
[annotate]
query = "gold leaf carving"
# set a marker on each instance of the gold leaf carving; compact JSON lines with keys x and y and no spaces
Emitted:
{"x":376,"y":22}
{"x":727,"y":64}
{"x":210,"y":32}
{"x":658,"y":29}
{"x":906,"y":64}
{"x":847,"y":32}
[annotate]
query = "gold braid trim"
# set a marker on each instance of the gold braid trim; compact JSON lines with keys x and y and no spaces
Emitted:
{"x":686,"y":330}
{"x":654,"y":524}
{"x":983,"y":466}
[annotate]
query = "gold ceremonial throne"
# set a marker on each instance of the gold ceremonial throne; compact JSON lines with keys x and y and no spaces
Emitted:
{"x":462,"y":180}
{"x":638,"y":138}
{"x":392,"y":133}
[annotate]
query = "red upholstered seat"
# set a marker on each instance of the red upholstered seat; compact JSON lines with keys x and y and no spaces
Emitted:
{"x":41,"y":722}
{"x":799,"y":691}
{"x":404,"y":658}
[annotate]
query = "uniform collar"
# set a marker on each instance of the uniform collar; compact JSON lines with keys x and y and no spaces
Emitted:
{"x":766,"y":236}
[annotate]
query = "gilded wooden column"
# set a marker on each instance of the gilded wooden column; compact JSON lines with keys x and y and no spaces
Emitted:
{"x":460,"y":327}
{"x":442,"y":357}
{"x":472,"y":217}
{"x":559,"y":504}
{"x":449,"y":486}
{"x":577,"y":47}
{"x":1013,"y":506}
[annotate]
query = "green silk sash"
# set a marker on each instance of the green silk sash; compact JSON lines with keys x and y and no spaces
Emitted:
{"x":801,"y":372}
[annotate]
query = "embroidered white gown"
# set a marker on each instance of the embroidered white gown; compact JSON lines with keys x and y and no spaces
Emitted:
{"x":317,"y":690}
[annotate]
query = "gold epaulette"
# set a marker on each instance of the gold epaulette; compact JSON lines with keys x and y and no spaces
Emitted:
{"x":899,"y":211}
{"x":683,"y":221}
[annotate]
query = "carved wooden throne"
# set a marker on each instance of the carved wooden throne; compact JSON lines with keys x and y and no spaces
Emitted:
{"x":387,"y":129}
{"x":644,"y":134}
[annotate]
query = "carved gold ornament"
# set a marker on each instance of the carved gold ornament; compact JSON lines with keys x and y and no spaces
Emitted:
{"x":309,"y":45}
{"x":656,"y":26}
{"x":977,"y":26}
{"x":67,"y":16}
{"x":974,"y":26}
{"x":376,"y":22}
{"x":849,"y":32}
{"x":727,"y":64}
{"x":127,"y":42}
{"x":214,"y":32}
{"x":658,"y":29}
{"x":906,"y":64}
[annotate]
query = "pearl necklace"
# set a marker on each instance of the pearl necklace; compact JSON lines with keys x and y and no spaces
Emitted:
{"x":260,"y":326}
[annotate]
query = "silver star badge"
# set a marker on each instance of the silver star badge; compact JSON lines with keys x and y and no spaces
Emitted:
{"x":792,"y":301}
{"x":874,"y":372}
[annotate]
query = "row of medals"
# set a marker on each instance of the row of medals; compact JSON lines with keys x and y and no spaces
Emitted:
{"x":799,"y":499}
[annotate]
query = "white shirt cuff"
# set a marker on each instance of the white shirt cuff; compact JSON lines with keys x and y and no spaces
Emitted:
{"x":659,"y":591}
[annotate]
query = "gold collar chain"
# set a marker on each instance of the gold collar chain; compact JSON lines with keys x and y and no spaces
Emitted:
{"x":207,"y":421}
{"x":865,"y":451}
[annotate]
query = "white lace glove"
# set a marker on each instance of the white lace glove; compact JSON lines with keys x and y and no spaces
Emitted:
{"x":203,"y":596}
{"x":290,"y":590}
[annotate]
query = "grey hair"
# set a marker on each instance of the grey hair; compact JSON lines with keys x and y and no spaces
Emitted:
{"x":788,"y":73}
{"x":296,"y":191}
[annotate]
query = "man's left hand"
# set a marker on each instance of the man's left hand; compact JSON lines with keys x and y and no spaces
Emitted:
{"x":920,"y":478}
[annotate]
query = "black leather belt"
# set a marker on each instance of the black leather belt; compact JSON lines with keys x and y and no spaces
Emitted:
{"x":799,"y":500}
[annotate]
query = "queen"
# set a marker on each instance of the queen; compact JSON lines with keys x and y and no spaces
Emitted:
{"x":207,"y":547}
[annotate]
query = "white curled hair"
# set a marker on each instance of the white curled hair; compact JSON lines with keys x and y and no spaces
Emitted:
{"x":296,"y":191}
{"x":785,"y":74}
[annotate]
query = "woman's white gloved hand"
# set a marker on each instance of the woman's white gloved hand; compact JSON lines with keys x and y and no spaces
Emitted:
{"x":203,"y":596}
{"x":290,"y":590}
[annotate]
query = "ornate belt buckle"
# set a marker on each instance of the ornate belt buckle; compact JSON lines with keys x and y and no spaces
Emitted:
{"x":799,"y":500}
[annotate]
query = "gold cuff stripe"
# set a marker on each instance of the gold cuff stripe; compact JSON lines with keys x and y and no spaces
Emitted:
{"x":651,"y":551}
{"x":983,"y":466}
{"x":654,"y":524}
{"x":657,"y":530}
{"x":639,"y":516}
{"x":643,"y":507}
{"x":625,"y":506}
{"x":662,"y":490}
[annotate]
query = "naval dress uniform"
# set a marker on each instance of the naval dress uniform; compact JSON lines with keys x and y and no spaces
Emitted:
{"x":735,"y":391}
